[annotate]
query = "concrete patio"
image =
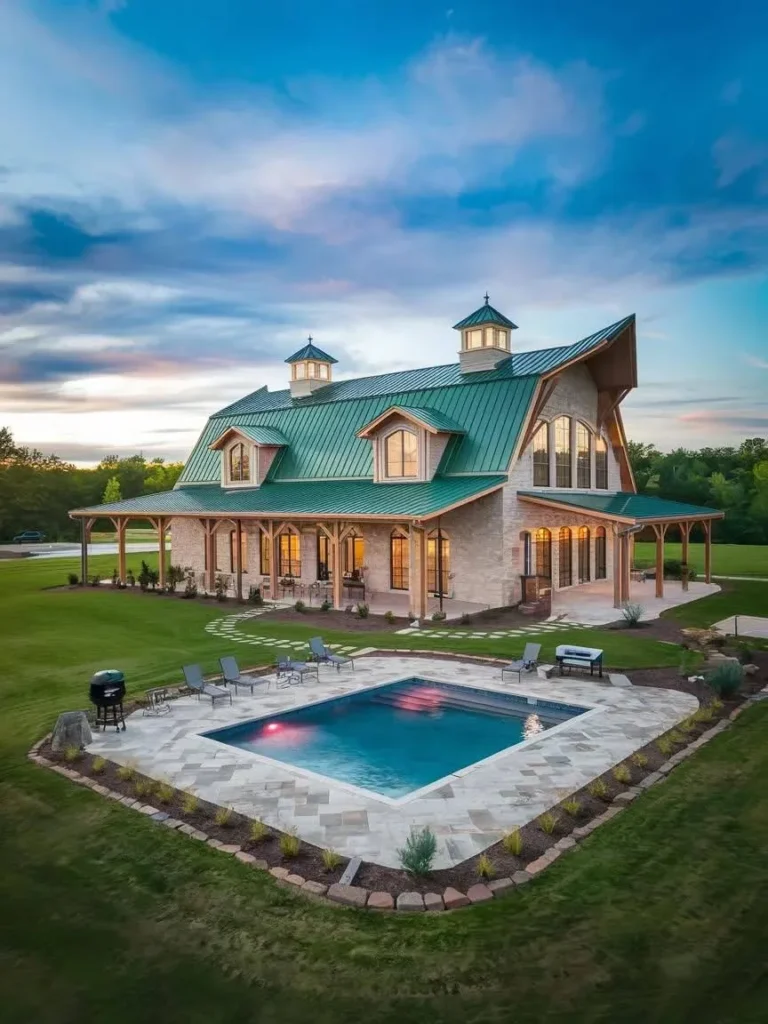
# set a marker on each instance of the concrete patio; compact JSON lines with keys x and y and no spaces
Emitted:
{"x":591,"y":604}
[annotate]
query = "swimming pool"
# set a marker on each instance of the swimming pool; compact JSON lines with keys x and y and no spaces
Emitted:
{"x":399,"y":737}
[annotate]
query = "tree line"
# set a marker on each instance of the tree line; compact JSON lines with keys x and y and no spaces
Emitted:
{"x":37,"y":491}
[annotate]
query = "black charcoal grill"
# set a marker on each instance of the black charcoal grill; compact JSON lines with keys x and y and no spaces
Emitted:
{"x":106,"y":693}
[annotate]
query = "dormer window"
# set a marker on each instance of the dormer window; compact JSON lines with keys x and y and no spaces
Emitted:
{"x":247,"y":454}
{"x":239,"y":464}
{"x":401,"y":455}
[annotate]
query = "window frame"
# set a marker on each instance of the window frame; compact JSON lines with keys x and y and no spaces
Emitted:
{"x":432,"y":563}
{"x":601,"y":463}
{"x":542,"y":553}
{"x":601,"y":551}
{"x":541,"y":464}
{"x":584,"y":552}
{"x":287,"y":561}
{"x":265,"y":554}
{"x":583,"y":467}
{"x":402,"y":432}
{"x":243,"y":550}
{"x":565,"y":565}
{"x":402,"y":571}
{"x":564,"y":456}
{"x":246,"y":459}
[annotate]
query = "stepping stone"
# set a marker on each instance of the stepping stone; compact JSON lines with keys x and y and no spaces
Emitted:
{"x":479,"y":893}
{"x":316,"y":888}
{"x":348,"y":875}
{"x":380,"y":901}
{"x":521,"y":877}
{"x":410,"y":901}
{"x":499,"y":886}
{"x":617,"y":679}
{"x":433,"y":901}
{"x":349,"y":895}
{"x":453,"y":898}
{"x":279,"y":873}
{"x":297,"y":880}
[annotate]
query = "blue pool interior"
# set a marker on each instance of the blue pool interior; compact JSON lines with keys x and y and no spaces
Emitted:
{"x":397,"y":738}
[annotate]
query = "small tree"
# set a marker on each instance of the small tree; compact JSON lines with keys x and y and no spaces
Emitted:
{"x":112,"y":491}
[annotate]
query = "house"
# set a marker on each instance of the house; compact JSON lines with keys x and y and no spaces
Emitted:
{"x":490,"y":480}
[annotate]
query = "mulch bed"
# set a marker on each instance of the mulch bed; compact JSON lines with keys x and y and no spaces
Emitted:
{"x":535,"y":840}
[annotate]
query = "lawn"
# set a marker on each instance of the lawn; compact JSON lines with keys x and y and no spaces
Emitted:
{"x":727,"y":559}
{"x":742,"y":597}
{"x":658,"y":917}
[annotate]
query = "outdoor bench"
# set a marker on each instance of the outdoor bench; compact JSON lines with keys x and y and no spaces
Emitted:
{"x":571,"y":657}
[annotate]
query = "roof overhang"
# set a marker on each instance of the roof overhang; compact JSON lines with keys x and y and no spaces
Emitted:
{"x":664,"y":512}
{"x":442,"y":425}
{"x":267,"y":436}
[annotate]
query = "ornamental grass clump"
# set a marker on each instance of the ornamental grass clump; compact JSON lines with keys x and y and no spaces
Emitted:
{"x":664,"y":745}
{"x":164,"y":792}
{"x":72,"y":753}
{"x":513,"y":843}
{"x":290,"y":844}
{"x":126,"y":772}
{"x":142,"y":787}
{"x":331,"y":859}
{"x":258,"y":832}
{"x":223,"y":817}
{"x":419,"y":851}
{"x":639,"y":760}
{"x":622,"y":774}
{"x":189,"y":804}
{"x":632,"y":613}
{"x":98,"y":764}
{"x":485,"y":868}
{"x":598,"y":789}
{"x":572,"y":807}
{"x":725,"y":679}
{"x":547,"y":823}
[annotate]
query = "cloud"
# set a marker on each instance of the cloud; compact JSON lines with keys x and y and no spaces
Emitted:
{"x":736,"y":154}
{"x":761,"y":364}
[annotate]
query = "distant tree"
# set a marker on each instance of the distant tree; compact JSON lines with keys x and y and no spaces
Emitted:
{"x":112,"y":491}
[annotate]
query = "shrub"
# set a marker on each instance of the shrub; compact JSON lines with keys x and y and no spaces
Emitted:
{"x":326,"y":606}
{"x":716,"y":705}
{"x":189,"y":804}
{"x":688,"y":724}
{"x":688,"y":662}
{"x":164,"y":792}
{"x":485,"y":868}
{"x":98,"y":764}
{"x":190,"y":587}
{"x":223,"y":817}
{"x":639,"y":759}
{"x":72,"y":753}
{"x":513,"y":843}
{"x":622,"y":774}
{"x":598,"y":789}
{"x":725,"y":679}
{"x":572,"y":807}
{"x":115,"y":579}
{"x":300,"y":607}
{"x":547,"y":823}
{"x":390,"y":617}
{"x":419,"y":851}
{"x":142,"y":787}
{"x":130,"y":578}
{"x":220,"y":586}
{"x":465,"y":620}
{"x":745,"y":654}
{"x":331,"y":860}
{"x":174,"y":575}
{"x":95,"y":581}
{"x":674,"y":569}
{"x":145,"y":576}
{"x":290,"y":844}
{"x":126,"y":772}
{"x":704,"y":714}
{"x":632,"y":613}
{"x":254,"y":597}
{"x":438,"y":616}
{"x":362,"y":611}
{"x":259,"y":831}
{"x":73,"y":579}
{"x":664,"y":745}
{"x":677,"y":737}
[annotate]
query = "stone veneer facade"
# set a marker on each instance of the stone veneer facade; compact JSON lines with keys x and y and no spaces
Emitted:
{"x":486,"y":546}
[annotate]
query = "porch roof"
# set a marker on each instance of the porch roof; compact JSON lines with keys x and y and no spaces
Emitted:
{"x":623,"y":506}
{"x":348,"y":499}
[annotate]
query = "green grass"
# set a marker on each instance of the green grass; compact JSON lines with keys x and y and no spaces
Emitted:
{"x":727,"y":559}
{"x":131,"y":536}
{"x":737,"y":597}
{"x":105,"y":916}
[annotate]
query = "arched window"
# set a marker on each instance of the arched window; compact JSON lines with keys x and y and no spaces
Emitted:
{"x":584,"y":554}
{"x":563,"y":451}
{"x":265,"y":554}
{"x":233,"y":551}
{"x":527,"y":553}
{"x":401,"y":454}
{"x":438,"y":563}
{"x":566,"y":558}
{"x":289,"y":554}
{"x":239,"y":464}
{"x":352,"y":555}
{"x":541,"y":456}
{"x":543,"y":560}
{"x":399,"y":561}
{"x":583,"y":456}
{"x":600,"y":571}
{"x":601,"y":464}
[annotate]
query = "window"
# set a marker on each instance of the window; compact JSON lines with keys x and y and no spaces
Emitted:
{"x":401,"y":454}
{"x":566,"y":558}
{"x":563,"y":451}
{"x":601,"y":464}
{"x":600,"y":572}
{"x":311,"y":369}
{"x":438,"y":564}
{"x":543,"y":560}
{"x":233,"y":550}
{"x":583,"y":456}
{"x":501,"y":339}
{"x":474,"y":339}
{"x":323,"y":368}
{"x":289,"y":562}
{"x":323,"y":554}
{"x":584,"y":554}
{"x":353,"y":552}
{"x":300,"y":370}
{"x":399,"y":561}
{"x":239,"y":464}
{"x":541,"y":456}
{"x":265,"y":561}
{"x":527,"y":555}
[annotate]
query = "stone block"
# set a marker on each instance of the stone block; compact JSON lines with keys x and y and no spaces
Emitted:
{"x":545,"y":671}
{"x":411,"y":901}
{"x":259,"y":864}
{"x":71,"y":730}
{"x":349,"y":895}
{"x":453,"y":898}
{"x":245,"y":858}
{"x":521,"y":877}
{"x":627,"y":797}
{"x":200,"y":836}
{"x":147,"y":809}
{"x":297,"y":880}
{"x":651,"y":780}
{"x":620,"y":680}
{"x":316,"y":888}
{"x":500,"y":886}
{"x":98,"y":788}
{"x":380,"y":901}
{"x":187,"y":829}
{"x":160,"y":817}
{"x":566,"y":843}
{"x":230,"y":848}
{"x":479,"y":893}
{"x":537,"y":866}
{"x":280,"y":873}
{"x":433,"y":901}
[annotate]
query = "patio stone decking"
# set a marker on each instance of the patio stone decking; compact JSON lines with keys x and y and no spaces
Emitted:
{"x":470,"y":811}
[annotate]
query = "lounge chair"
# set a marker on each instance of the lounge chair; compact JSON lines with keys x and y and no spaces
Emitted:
{"x":320,"y":653}
{"x":193,"y":676}
{"x":230,"y":670}
{"x":527,"y":663}
{"x":286,"y":666}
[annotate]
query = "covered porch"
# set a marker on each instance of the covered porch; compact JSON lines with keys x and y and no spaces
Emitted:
{"x":593,"y":604}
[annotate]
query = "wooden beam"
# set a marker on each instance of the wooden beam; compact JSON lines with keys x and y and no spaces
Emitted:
{"x":120,"y":525}
{"x":273,"y":560}
{"x":338,"y":580}
{"x":161,"y":559}
{"x":626,"y":566}
{"x":707,"y":550}
{"x":422,"y":538}
{"x":660,"y":530}
{"x":86,"y":525}
{"x":239,"y":560}
{"x":211,"y":541}
{"x":545,"y":393}
{"x":685,"y":535}
{"x":617,"y":569}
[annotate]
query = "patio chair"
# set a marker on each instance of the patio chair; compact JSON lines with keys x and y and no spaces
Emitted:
{"x":193,"y":676}
{"x":294,"y":670}
{"x":527,"y":663}
{"x":320,"y":653}
{"x":230,"y":670}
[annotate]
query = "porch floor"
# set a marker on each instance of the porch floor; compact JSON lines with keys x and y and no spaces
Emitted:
{"x":379,"y":603}
{"x":591,"y":604}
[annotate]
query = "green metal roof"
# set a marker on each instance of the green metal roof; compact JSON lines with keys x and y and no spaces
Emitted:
{"x":624,"y":505}
{"x":257,"y":434}
{"x":321,"y":498}
{"x":485,"y":315}
{"x":429,"y":417}
{"x":311,"y":351}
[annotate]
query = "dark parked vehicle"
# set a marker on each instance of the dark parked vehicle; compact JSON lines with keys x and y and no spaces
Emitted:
{"x":29,"y":537}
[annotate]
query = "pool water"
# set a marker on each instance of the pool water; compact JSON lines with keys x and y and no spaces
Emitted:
{"x":400,"y":737}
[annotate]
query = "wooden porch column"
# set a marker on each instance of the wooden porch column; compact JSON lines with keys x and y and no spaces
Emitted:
{"x":273,"y":560}
{"x":86,"y":525}
{"x":338,"y":575}
{"x":161,"y":527}
{"x":239,"y":561}
{"x":120,"y":527}
{"x":685,"y":534}
{"x":707,"y":524}
{"x":211,"y":541}
{"x":423,"y":600}
{"x":617,"y":566}
{"x":660,"y":530}
{"x":626,"y":564}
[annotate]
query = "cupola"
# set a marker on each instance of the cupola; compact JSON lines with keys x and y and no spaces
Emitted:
{"x":310,"y":369}
{"x":485,"y":338}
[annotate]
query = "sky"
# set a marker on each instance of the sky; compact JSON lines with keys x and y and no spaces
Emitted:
{"x":189,"y":188}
